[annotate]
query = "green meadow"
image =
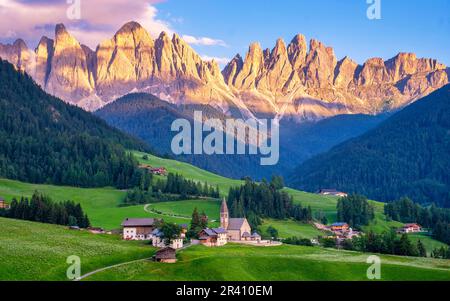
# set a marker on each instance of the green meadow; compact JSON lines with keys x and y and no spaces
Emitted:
{"x":104,"y":210}
{"x":35,"y":251}
{"x":238,"y":262}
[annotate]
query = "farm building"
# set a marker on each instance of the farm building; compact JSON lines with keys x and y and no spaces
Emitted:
{"x":339,"y":227}
{"x":138,"y":228}
{"x":3,"y":204}
{"x":410,"y":228}
{"x":157,"y":237}
{"x":213,"y":237}
{"x":166,"y":255}
{"x":161,"y":171}
{"x":333,"y":192}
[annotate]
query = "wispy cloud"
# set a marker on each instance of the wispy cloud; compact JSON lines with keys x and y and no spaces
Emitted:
{"x":204,"y":41}
{"x":220,"y":60}
{"x":100,"y":19}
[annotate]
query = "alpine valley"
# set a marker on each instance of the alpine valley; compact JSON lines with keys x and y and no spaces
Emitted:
{"x":90,"y":189}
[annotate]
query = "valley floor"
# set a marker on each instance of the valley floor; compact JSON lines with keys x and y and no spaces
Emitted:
{"x":34,"y":251}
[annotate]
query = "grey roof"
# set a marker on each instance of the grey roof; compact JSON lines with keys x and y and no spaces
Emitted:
{"x":209,"y":232}
{"x":166,"y":253}
{"x":235,"y":223}
{"x":255,"y":234}
{"x":245,"y":234}
{"x":219,"y":230}
{"x":338,"y":224}
{"x":138,"y":222}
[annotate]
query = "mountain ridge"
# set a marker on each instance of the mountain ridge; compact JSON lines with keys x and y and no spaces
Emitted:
{"x":406,"y":155}
{"x":298,"y":81}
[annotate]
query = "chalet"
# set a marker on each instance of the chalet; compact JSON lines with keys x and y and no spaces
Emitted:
{"x":161,"y":171}
{"x":166,"y":255}
{"x":157,"y":237}
{"x":213,"y":237}
{"x":138,"y":228}
{"x":339,"y":227}
{"x":237,"y":228}
{"x":410,"y":228}
{"x":96,"y":230}
{"x":333,"y":192}
{"x":3,"y":204}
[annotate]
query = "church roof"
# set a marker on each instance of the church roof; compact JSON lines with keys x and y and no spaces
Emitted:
{"x":235,"y":223}
{"x":224,"y":207}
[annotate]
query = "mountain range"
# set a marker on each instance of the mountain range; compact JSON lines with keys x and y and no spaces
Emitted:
{"x":293,"y":81}
{"x":406,"y":155}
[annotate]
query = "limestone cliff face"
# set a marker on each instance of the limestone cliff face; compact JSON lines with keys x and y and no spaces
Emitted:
{"x":296,"y":80}
{"x":19,"y":55}
{"x":69,"y":74}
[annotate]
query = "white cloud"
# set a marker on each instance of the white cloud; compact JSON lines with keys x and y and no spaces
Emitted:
{"x":100,"y":19}
{"x":219,"y":60}
{"x":204,"y":41}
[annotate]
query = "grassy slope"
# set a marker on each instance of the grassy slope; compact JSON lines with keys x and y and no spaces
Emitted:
{"x":190,"y":172}
{"x":34,"y":251}
{"x":429,"y":243}
{"x":101,"y":204}
{"x":285,"y":262}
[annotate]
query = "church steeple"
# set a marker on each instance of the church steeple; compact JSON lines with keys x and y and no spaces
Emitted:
{"x":224,"y":215}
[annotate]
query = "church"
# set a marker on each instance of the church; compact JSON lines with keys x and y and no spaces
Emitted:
{"x":237,"y":228}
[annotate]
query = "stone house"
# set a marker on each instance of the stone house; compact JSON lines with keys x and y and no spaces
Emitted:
{"x":138,"y":228}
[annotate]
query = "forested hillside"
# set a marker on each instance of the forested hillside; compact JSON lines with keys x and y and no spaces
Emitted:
{"x":407,"y":155}
{"x":44,"y":140}
{"x":150,"y":118}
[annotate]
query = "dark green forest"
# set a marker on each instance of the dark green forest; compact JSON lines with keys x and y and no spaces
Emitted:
{"x":44,"y":140}
{"x":432,"y":217}
{"x":407,"y":155}
{"x":43,"y":209}
{"x":256,"y":200}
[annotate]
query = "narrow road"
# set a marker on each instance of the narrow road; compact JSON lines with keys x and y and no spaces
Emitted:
{"x":146,"y":209}
{"x":109,"y":267}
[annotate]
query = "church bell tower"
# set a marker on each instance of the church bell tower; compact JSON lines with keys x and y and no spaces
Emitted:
{"x":224,"y":215}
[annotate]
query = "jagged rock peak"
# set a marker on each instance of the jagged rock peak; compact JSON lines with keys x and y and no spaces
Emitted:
{"x":20,"y":44}
{"x":297,"y":51}
{"x":129,"y":27}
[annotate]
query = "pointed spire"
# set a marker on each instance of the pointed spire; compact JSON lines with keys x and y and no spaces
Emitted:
{"x":224,"y":207}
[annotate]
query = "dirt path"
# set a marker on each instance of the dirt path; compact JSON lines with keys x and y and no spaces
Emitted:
{"x":146,"y":209}
{"x":109,"y":267}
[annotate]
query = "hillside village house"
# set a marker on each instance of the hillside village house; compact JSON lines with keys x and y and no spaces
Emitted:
{"x":166,"y":255}
{"x":138,"y":228}
{"x":215,"y":237}
{"x":410,"y":228}
{"x":333,"y":192}
{"x":339,"y":227}
{"x":3,"y":204}
{"x":158,"y":241}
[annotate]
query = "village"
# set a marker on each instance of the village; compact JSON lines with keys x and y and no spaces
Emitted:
{"x":230,"y":230}
{"x":235,"y":230}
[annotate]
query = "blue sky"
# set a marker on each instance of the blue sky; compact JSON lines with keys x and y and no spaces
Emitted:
{"x":416,"y":26}
{"x":222,"y":28}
